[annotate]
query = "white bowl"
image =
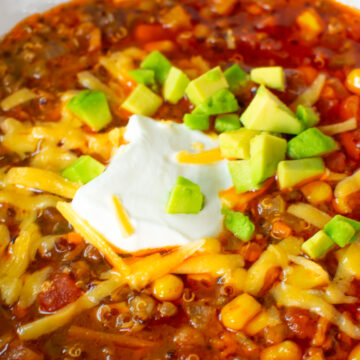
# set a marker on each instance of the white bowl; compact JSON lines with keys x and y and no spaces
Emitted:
{"x":12,"y":11}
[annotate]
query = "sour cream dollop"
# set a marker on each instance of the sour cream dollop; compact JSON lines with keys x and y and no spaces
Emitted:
{"x":141,"y":175}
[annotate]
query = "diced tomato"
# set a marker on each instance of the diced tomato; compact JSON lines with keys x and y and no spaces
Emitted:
{"x":58,"y":292}
{"x":351,"y":142}
{"x":336,"y":162}
{"x":300,"y":323}
{"x":349,"y":107}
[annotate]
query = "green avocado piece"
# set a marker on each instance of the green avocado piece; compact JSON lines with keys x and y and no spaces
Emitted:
{"x":272,"y":77}
{"x":224,"y":123}
{"x":84,"y":169}
{"x":157,"y":62}
{"x":267,"y":113}
{"x":222,"y":102}
{"x":240,"y":174}
{"x":236,"y":77}
{"x":185,"y":198}
{"x":175,"y":85}
{"x":142,"y":101}
{"x":236,"y":144}
{"x":307,"y":115}
{"x":266,"y":151}
{"x":197,"y":121}
{"x":293,"y":172}
{"x":92,"y":108}
{"x":206,"y":85}
{"x":144,"y":76}
{"x":342,"y":230}
{"x":311,"y":142}
{"x":318,"y":245}
{"x":239,"y":224}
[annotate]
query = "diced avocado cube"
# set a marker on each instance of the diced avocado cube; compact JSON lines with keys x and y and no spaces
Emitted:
{"x":311,"y":142}
{"x":236,"y":144}
{"x":222,"y":102}
{"x":266,"y":151}
{"x":143,"y":76}
{"x":236,"y":77}
{"x":142,"y":101}
{"x":318,"y":245}
{"x":92,"y":108}
{"x":225,"y":123}
{"x":175,"y":85}
{"x":84,"y":169}
{"x":185,"y":198}
{"x":267,"y":113}
{"x":197,"y":121}
{"x":272,"y":77}
{"x":342,"y":230}
{"x":206,"y":85}
{"x":240,"y":174}
{"x":157,"y":62}
{"x":239,"y":224}
{"x":307,"y":115}
{"x":294,"y":172}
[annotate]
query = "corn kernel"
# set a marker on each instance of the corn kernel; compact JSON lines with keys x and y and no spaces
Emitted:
{"x":236,"y":280}
{"x":317,"y":192}
{"x":353,"y":81}
{"x":257,"y":324}
{"x":286,"y":350}
{"x":355,"y":353}
{"x":238,"y":312}
{"x":168,"y":288}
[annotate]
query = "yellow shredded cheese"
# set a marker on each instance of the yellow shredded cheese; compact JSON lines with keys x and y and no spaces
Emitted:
{"x":17,"y":98}
{"x":201,"y":158}
{"x":39,"y":179}
{"x":287,"y":295}
{"x":92,"y":236}
{"x":310,"y":214}
{"x":339,"y":128}
{"x":123,"y":218}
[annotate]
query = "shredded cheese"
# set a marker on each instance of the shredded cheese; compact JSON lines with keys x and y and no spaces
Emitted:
{"x":17,"y":98}
{"x":123,"y":218}
{"x":92,"y":236}
{"x":201,"y":158}
{"x":40,"y":179}
{"x":310,"y":214}
{"x":287,"y":295}
{"x":339,"y":128}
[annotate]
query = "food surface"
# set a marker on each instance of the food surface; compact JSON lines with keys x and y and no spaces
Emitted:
{"x":180,"y":180}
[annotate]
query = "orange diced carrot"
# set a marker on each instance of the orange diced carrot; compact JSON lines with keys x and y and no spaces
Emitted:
{"x":224,"y":7}
{"x":281,"y":230}
{"x":164,"y":46}
{"x":150,"y":32}
{"x":74,"y":238}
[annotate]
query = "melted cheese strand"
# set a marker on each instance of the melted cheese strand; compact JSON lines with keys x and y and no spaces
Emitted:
{"x":92,"y":236}
{"x":124,"y":221}
{"x":201,"y":158}
{"x":287,"y":295}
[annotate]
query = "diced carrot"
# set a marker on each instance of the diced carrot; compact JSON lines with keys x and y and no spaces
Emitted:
{"x":150,"y":32}
{"x":281,"y":230}
{"x":95,"y":40}
{"x":165,"y":46}
{"x":309,"y":73}
{"x":74,"y":238}
{"x":254,"y":9}
{"x":310,"y":23}
{"x":224,"y":7}
{"x":353,"y":81}
{"x":349,"y":107}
